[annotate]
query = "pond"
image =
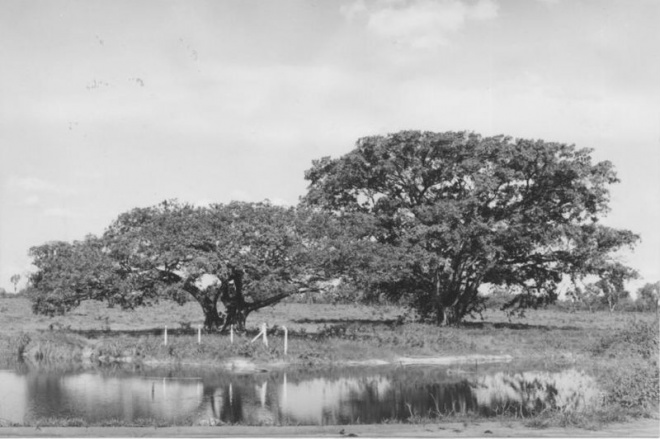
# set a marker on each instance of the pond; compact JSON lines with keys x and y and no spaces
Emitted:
{"x":333,"y":396}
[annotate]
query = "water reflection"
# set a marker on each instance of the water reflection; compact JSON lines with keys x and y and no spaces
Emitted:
{"x":95,"y":397}
{"x":339,"y":397}
{"x":531,"y":392}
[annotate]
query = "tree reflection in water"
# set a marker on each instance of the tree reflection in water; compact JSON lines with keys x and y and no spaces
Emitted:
{"x":331,"y":397}
{"x":376,"y":398}
{"x":532,"y":392}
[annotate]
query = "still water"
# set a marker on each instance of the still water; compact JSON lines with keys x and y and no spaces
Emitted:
{"x":295,"y":397}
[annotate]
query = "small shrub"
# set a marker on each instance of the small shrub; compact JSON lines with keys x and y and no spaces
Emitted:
{"x":638,"y":338}
{"x":246,"y":349}
{"x":634,"y":386}
{"x":21,"y":343}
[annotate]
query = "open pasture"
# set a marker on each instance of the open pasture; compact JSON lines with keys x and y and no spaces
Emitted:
{"x":344,"y":331}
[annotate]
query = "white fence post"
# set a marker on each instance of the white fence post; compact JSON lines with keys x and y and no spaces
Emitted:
{"x":262,"y":333}
{"x":199,"y":334}
{"x":286,"y":339}
{"x":231,"y":334}
{"x":165,"y":336}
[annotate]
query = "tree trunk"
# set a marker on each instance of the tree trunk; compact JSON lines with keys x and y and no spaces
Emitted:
{"x":448,"y":316}
{"x":233,"y":299}
{"x":212,"y":318}
{"x":439,"y":308}
{"x":447,"y":310}
{"x":236,"y":315}
{"x":208,"y":300}
{"x":611,"y":303}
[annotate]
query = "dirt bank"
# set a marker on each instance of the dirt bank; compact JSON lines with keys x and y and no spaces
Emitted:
{"x":638,"y":428}
{"x":244,"y":365}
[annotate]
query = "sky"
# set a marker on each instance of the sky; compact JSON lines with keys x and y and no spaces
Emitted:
{"x":110,"y":105}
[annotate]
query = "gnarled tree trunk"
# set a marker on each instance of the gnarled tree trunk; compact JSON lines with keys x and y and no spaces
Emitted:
{"x":212,"y":318}
{"x":448,"y":316}
{"x":208,"y":300}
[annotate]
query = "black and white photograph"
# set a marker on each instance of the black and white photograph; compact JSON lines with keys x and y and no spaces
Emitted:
{"x":329,"y":218}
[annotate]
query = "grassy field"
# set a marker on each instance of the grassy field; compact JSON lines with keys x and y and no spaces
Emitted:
{"x":94,"y":316}
{"x":346,"y":331}
{"x":619,"y":349}
{"x":325,"y":332}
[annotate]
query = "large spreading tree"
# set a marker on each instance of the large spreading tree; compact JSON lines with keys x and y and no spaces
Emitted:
{"x":232,"y":259}
{"x":439,"y":215}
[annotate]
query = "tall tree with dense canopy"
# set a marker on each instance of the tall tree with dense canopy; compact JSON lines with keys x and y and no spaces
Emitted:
{"x":232,"y":259}
{"x":449,"y":212}
{"x":68,"y":273}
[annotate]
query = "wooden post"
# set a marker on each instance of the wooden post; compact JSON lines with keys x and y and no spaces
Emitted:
{"x":262,"y":393}
{"x":165,"y":336}
{"x":286,"y":339}
{"x":199,"y":334}
{"x":262,"y":333}
{"x":231,"y":334}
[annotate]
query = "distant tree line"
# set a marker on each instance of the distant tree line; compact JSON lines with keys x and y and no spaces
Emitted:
{"x":420,"y":219}
{"x":592,"y":299}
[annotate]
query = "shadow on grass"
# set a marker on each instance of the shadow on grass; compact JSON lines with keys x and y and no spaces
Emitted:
{"x":96,"y":333}
{"x":466,"y":325}
{"x":516,"y":326}
{"x":347,"y":321}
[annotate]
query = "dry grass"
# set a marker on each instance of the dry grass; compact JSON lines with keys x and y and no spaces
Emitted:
{"x":326,"y":332}
{"x":17,"y":316}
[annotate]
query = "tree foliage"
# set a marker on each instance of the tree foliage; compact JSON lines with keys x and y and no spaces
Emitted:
{"x":15,"y":279}
{"x":68,"y":273}
{"x":649,"y":296}
{"x":441,"y":214}
{"x":612,"y":284}
{"x":241,"y":256}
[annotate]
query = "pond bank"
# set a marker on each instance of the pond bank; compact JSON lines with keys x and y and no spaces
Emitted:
{"x":636,"y":428}
{"x":218,"y":352}
{"x":243,"y":365}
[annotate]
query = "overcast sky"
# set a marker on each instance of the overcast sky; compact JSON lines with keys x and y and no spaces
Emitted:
{"x":109,"y":105}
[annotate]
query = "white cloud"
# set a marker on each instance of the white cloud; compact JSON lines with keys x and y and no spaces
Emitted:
{"x":353,"y":10}
{"x":60,"y":212}
{"x":31,"y":184}
{"x":549,"y":2}
{"x":31,"y":200}
{"x":420,"y":24}
{"x":483,"y":10}
{"x":37,"y":185}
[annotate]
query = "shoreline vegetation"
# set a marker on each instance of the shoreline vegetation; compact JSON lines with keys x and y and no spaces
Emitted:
{"x":619,"y":349}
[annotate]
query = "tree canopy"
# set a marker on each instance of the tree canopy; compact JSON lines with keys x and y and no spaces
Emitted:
{"x":445,"y":213}
{"x":69,"y":273}
{"x":649,"y":295}
{"x":425,"y":218}
{"x":243,"y":256}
